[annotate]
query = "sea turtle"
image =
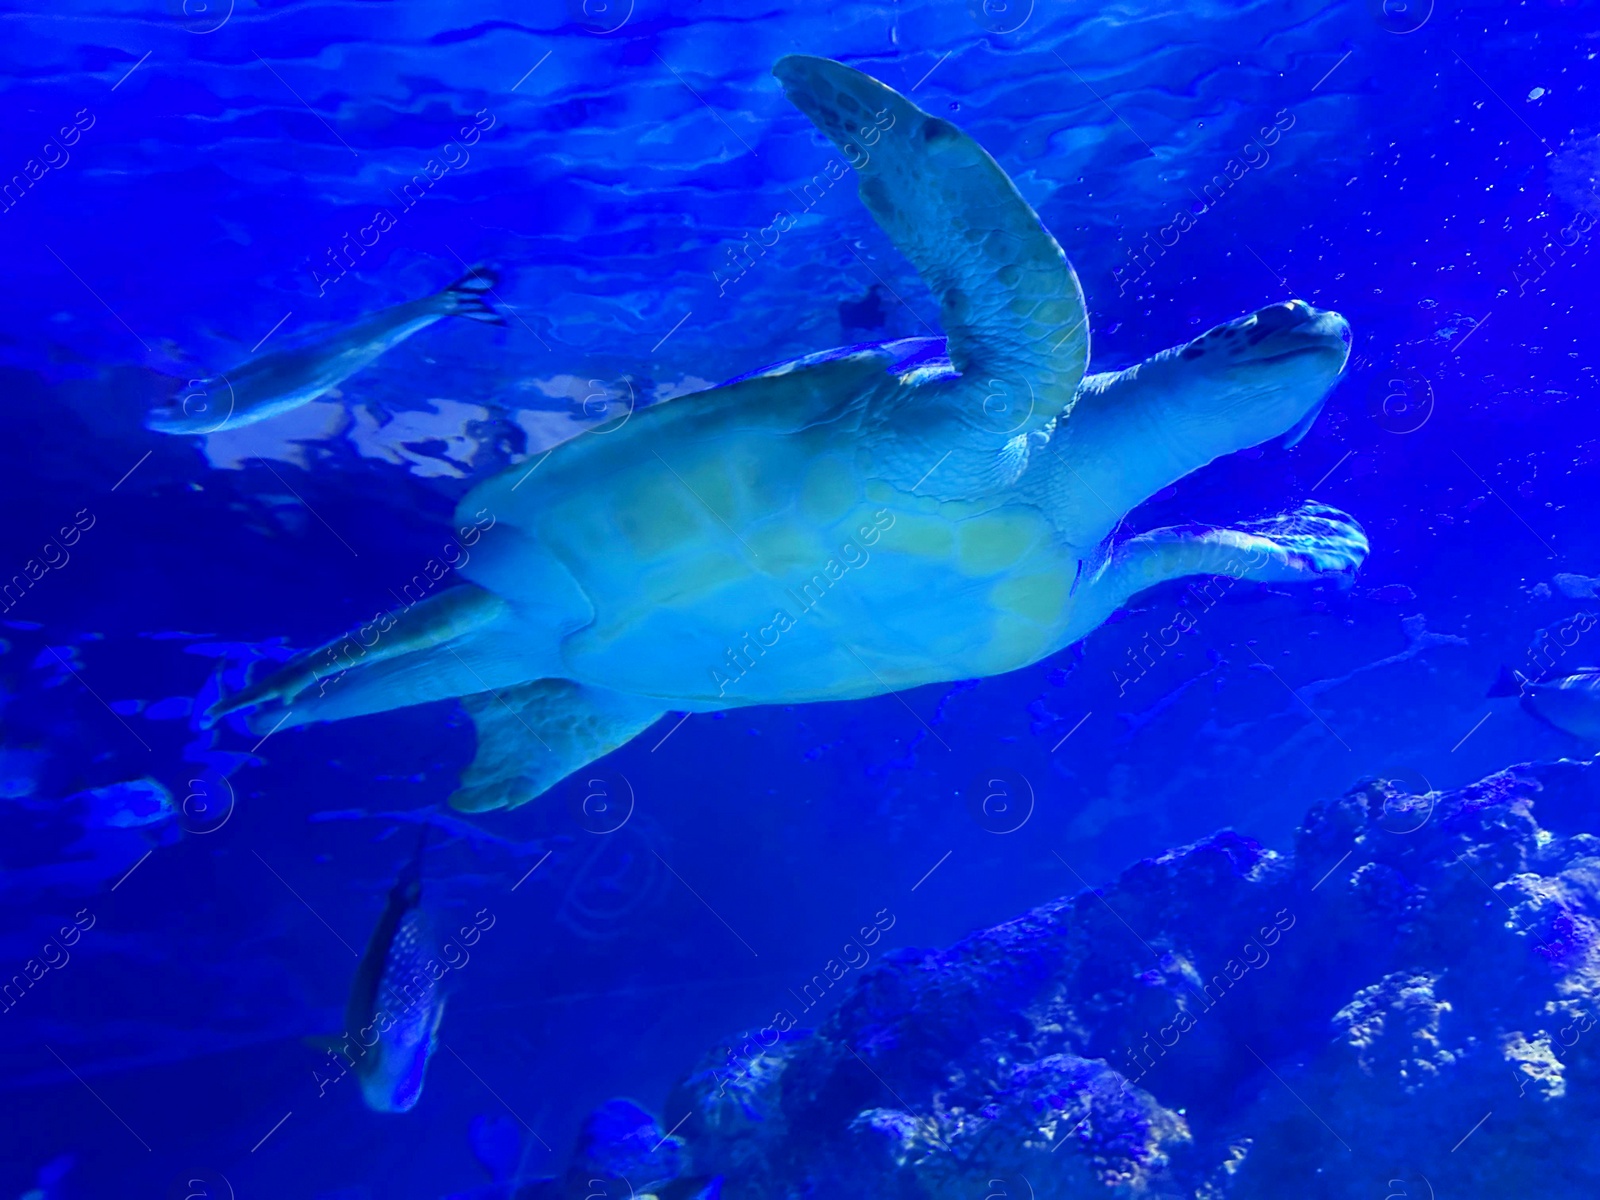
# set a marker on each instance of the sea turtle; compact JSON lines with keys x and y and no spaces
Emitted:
{"x":851,"y":523}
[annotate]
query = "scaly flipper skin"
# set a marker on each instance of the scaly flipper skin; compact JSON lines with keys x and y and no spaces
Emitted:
{"x":1312,"y":543}
{"x":416,"y":634}
{"x":1009,"y":301}
{"x":532,"y":737}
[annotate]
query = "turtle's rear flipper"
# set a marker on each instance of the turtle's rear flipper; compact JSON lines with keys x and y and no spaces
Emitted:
{"x":396,"y":659}
{"x":533,"y":735}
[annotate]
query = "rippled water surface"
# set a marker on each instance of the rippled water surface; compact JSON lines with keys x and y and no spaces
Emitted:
{"x":195,"y":183}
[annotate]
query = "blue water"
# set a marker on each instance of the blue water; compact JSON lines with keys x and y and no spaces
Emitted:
{"x":1433,"y":178}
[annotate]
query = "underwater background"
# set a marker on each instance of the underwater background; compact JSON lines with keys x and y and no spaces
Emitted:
{"x":1433,"y":180}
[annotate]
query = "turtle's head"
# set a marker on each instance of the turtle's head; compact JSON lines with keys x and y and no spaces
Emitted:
{"x":1261,"y":376}
{"x":1132,"y":433}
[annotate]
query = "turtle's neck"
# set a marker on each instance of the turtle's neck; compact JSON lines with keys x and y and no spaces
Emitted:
{"x":1111,"y":451}
{"x":1070,"y":475}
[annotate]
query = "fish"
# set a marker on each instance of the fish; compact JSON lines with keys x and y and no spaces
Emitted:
{"x":395,"y":1007}
{"x":1570,"y":703}
{"x":274,"y":383}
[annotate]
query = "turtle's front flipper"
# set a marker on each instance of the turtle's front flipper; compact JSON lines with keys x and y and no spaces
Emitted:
{"x":1009,"y":300}
{"x":532,"y":736}
{"x":1314,"y":542}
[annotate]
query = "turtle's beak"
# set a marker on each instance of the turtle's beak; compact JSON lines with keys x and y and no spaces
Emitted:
{"x":1278,"y":365}
{"x":1283,"y":332}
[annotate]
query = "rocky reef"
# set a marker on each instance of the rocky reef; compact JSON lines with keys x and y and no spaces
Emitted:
{"x":1405,"y":1006}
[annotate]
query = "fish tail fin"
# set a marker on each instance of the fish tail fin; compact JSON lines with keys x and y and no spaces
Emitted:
{"x":1508,"y":683}
{"x":465,"y":297}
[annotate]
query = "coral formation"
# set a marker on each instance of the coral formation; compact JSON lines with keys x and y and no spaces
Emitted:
{"x":1402,"y":1006}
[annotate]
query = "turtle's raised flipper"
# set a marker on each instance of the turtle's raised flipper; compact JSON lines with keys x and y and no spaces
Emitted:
{"x":1009,"y":300}
{"x":532,"y":736}
{"x":388,"y":647}
{"x":1312,"y":543}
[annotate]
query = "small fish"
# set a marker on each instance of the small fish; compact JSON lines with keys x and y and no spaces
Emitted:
{"x":276,"y":382}
{"x":1570,"y":703}
{"x":392,"y":1019}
